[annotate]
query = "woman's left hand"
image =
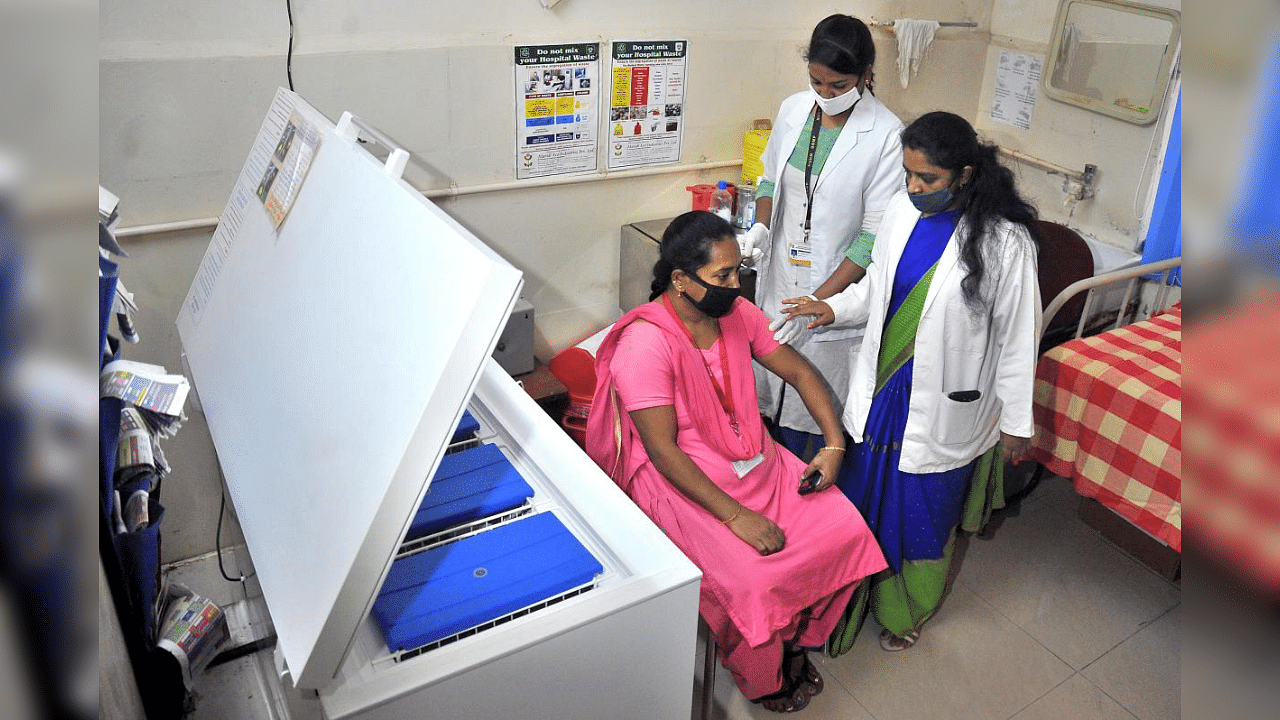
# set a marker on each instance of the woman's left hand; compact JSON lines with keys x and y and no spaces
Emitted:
{"x":1014,"y":448}
{"x":826,"y":462}
{"x":807,"y":305}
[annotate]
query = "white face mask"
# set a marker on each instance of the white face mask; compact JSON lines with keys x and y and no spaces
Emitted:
{"x":839,"y":103}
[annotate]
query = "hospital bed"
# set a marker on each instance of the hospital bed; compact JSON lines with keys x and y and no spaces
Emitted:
{"x":1108,"y":411}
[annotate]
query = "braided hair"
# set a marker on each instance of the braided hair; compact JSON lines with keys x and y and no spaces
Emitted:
{"x":988,"y":197}
{"x":686,"y":245}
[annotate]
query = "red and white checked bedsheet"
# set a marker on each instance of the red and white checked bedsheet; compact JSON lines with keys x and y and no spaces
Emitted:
{"x":1233,"y":440}
{"x":1108,"y":413}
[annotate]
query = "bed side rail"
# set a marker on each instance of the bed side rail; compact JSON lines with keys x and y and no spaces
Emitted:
{"x":1132,"y":276}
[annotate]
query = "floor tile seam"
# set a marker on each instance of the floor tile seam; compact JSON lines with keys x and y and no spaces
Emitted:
{"x":1033,"y":638}
{"x":1115,"y":549}
{"x":1043,"y":695}
{"x":1141,"y":626}
{"x":831,"y":675}
{"x":1111,"y":697}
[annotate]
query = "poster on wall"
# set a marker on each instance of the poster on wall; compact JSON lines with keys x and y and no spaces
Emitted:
{"x":646,"y":102}
{"x":1014,"y":97}
{"x":556,"y":109}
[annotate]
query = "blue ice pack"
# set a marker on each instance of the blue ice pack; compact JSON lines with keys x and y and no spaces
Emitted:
{"x":468,"y":426}
{"x":457,"y":586}
{"x":468,"y":485}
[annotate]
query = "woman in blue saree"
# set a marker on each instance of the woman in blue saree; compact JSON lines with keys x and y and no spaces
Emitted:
{"x":941,"y":390}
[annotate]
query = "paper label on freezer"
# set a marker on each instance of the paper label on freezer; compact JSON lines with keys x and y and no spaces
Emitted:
{"x":287,"y":168}
{"x":646,"y":102}
{"x":557,"y":107}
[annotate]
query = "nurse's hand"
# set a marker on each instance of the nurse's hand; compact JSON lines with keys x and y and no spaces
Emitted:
{"x":752,"y":244}
{"x":809,"y":306}
{"x":785,"y":331}
{"x":1014,"y":448}
{"x":758,"y":531}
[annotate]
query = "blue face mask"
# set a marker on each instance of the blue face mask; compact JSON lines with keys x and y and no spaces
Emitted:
{"x":934,"y":202}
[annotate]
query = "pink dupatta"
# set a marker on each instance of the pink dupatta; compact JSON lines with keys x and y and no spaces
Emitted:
{"x":612,"y":440}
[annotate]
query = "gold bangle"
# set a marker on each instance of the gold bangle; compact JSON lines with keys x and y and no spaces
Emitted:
{"x":832,"y":447}
{"x":733,"y":516}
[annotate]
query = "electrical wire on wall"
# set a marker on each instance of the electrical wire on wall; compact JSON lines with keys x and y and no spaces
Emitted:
{"x":288,"y":67}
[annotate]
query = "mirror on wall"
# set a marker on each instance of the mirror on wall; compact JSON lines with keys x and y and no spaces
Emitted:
{"x":1112,"y":57}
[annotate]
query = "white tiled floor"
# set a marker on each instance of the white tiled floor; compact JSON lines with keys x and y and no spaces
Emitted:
{"x":1046,"y":621}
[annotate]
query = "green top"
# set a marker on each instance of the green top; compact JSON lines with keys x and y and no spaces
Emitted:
{"x":859,"y":251}
{"x":826,"y":140}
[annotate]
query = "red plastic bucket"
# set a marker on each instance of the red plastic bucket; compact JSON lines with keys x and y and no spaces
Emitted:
{"x":702,"y":194}
{"x":574,"y":422}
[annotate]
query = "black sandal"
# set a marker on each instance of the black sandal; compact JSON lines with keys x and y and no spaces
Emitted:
{"x":794,"y":694}
{"x":808,"y":675}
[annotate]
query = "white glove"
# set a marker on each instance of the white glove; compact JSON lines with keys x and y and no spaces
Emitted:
{"x":751,"y":242}
{"x":788,"y":328}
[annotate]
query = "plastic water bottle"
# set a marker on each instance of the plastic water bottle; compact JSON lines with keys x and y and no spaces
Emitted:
{"x":745,"y":217}
{"x":722,"y":201}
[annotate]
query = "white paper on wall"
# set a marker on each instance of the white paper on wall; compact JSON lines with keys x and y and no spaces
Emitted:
{"x":1014,"y":96}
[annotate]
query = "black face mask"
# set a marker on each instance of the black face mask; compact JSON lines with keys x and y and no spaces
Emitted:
{"x":718,"y":301}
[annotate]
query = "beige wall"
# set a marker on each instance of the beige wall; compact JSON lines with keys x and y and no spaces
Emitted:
{"x":1125,"y":154}
{"x":184,"y":86}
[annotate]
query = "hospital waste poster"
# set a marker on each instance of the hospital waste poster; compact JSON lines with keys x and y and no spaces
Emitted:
{"x":557,"y":99}
{"x":646,"y":102}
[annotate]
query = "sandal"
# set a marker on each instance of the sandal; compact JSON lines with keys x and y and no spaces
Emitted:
{"x":896,"y":643}
{"x":791,"y":698}
{"x":808,"y":674}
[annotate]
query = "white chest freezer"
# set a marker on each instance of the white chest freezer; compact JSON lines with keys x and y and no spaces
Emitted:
{"x":334,"y":354}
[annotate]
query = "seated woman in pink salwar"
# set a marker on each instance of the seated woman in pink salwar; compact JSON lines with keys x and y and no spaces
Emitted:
{"x":675,"y":422}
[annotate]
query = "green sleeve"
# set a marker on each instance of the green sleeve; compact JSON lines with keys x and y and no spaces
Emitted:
{"x":765,"y":190}
{"x":859,"y":252}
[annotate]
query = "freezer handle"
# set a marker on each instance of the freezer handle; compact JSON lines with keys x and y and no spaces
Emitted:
{"x":354,"y":129}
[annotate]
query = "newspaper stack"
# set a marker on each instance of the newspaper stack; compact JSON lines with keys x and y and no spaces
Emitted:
{"x":194,"y":630}
{"x":157,"y":395}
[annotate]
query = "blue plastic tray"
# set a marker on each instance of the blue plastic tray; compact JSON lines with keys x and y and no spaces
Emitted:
{"x":468,"y":426}
{"x":468,"y":485}
{"x":454,"y":587}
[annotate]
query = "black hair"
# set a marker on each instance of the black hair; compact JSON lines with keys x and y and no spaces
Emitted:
{"x":842,"y":43}
{"x":986,"y":198}
{"x":686,"y":245}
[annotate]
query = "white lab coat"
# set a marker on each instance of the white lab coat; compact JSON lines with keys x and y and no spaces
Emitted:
{"x":860,"y":176}
{"x":956,"y":349}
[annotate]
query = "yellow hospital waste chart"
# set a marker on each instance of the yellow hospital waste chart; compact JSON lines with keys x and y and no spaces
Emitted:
{"x":646,"y":102}
{"x":556,"y":109}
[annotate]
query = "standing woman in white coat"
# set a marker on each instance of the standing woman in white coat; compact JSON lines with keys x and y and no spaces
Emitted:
{"x":941,"y":389}
{"x":831,"y":165}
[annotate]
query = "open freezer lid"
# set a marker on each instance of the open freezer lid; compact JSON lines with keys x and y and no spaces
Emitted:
{"x":333,"y":357}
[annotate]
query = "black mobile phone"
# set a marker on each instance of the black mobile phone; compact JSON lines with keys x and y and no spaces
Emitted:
{"x":965,"y":395}
{"x":809,"y":483}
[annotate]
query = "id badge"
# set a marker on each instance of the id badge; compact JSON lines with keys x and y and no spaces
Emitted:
{"x":799,"y":254}
{"x":742,"y":467}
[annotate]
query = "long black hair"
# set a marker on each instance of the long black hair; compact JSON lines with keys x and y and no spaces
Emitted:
{"x":686,"y":245}
{"x":986,"y":198}
{"x":842,"y":43}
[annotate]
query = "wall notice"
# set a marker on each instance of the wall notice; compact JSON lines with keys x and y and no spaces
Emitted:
{"x":557,"y":109}
{"x":1014,"y":96}
{"x":646,"y":102}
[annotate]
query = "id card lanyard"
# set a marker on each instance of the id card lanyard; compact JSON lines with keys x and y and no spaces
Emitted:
{"x":808,"y":171}
{"x":726,"y":399}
